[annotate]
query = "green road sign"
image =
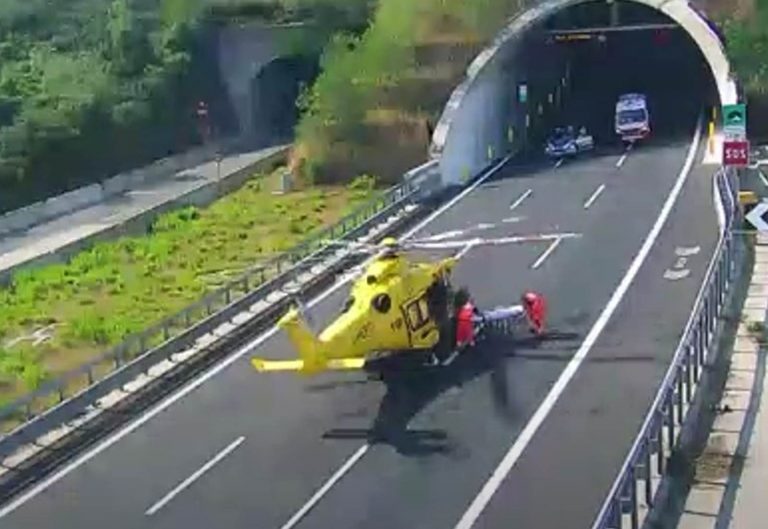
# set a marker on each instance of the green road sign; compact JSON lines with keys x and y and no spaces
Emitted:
{"x":735,"y":120}
{"x":522,"y":93}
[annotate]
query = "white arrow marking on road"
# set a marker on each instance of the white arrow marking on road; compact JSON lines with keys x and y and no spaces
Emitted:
{"x":512,"y":220}
{"x":687,"y":252}
{"x":755,"y":216}
{"x":676,"y":275}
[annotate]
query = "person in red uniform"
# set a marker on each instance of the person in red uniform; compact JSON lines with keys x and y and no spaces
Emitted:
{"x":535,"y":310}
{"x":466,"y":317}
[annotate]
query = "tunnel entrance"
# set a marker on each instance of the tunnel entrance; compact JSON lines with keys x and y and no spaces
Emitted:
{"x":566,"y":62}
{"x":274,"y":91}
{"x":595,"y":51}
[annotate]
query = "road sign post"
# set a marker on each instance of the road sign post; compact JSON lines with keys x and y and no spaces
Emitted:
{"x":736,"y":153}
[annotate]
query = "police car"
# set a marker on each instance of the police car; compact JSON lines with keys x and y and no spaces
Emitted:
{"x":565,"y":141}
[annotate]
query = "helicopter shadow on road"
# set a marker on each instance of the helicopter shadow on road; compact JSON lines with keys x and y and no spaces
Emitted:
{"x":411,"y":387}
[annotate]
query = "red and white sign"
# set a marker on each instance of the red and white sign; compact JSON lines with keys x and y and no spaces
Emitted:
{"x":736,"y":153}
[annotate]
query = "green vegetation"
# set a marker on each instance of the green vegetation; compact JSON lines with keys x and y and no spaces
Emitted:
{"x":748,"y":47}
{"x":124,"y":286}
{"x":91,"y":87}
{"x":94,"y":87}
{"x":353,"y":99}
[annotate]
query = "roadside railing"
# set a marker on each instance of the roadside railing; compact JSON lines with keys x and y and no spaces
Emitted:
{"x":658,"y":434}
{"x":61,"y":400}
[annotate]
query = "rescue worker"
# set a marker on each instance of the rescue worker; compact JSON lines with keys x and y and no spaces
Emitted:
{"x":466,"y":317}
{"x":535,"y":311}
{"x":437,"y":301}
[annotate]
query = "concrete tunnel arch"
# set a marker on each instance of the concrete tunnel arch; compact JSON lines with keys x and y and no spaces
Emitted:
{"x":458,"y":164}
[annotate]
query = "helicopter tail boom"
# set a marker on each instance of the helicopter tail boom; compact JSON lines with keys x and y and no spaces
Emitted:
{"x":312,"y":359}
{"x":338,"y":364}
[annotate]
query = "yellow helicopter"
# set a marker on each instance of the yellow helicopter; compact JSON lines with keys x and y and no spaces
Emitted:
{"x":392,"y":309}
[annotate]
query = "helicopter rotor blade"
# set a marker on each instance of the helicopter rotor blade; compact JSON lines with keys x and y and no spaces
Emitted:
{"x":361,"y":247}
{"x":460,"y":244}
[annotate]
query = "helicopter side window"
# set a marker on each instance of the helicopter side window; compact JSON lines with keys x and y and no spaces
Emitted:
{"x":382,"y":303}
{"x":418,"y":314}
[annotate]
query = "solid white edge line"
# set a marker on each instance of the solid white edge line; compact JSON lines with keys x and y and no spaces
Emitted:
{"x":500,"y":473}
{"x":594,"y":196}
{"x":322,"y":491}
{"x":191,"y":479}
{"x":520,"y":199}
{"x":193,"y":385}
{"x":547,"y":253}
{"x":717,"y":199}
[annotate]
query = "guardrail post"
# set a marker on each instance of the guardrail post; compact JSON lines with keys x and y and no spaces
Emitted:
{"x":671,"y":419}
{"x":680,"y":374}
{"x":648,"y":473}
{"x":696,"y":365}
{"x":615,"y":517}
{"x":687,"y":369}
{"x":633,"y":492}
{"x":660,"y":442}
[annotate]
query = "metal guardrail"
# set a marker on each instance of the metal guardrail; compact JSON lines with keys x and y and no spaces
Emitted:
{"x":134,"y":356}
{"x":678,"y":389}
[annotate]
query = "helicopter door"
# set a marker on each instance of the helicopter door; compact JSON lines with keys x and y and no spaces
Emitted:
{"x":417,"y":316}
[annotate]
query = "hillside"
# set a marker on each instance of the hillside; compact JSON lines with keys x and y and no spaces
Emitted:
{"x":95,"y":87}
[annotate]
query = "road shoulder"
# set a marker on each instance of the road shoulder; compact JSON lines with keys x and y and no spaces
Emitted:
{"x":728,"y":488}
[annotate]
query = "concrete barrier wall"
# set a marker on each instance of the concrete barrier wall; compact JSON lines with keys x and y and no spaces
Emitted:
{"x":201,"y":196}
{"x":478,"y":129}
{"x":43,"y":211}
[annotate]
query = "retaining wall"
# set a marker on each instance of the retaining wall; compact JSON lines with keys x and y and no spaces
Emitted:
{"x":201,"y":196}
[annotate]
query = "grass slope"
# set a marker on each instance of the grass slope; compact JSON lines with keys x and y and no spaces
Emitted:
{"x":124,"y":286}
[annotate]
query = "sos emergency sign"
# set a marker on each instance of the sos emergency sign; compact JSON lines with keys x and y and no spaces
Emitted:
{"x":736,"y":153}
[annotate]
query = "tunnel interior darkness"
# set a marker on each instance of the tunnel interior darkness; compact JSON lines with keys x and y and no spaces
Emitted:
{"x":274,"y":92}
{"x":592,"y":68}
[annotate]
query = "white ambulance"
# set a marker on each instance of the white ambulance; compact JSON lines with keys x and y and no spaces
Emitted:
{"x":632,"y":119}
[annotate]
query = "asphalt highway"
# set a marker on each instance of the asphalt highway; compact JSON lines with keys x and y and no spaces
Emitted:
{"x":238,"y":449}
{"x":248,"y":450}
